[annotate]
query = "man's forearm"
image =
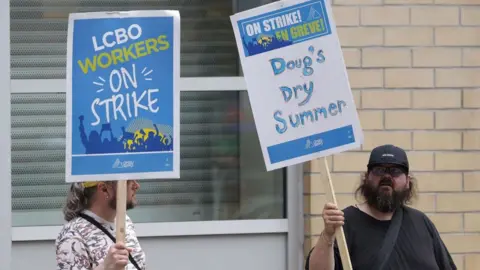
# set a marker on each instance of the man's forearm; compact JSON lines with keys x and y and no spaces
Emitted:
{"x":322,"y":257}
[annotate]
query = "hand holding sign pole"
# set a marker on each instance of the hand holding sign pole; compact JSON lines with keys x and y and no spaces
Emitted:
{"x":291,"y":56}
{"x":123,"y":99}
{"x":340,"y":235}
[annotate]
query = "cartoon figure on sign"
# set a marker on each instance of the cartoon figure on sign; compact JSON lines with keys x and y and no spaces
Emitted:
{"x":141,"y":136}
{"x":264,"y":40}
{"x":94,"y":144}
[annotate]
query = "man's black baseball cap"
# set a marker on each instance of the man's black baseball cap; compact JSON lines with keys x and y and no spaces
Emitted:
{"x":388,"y":154}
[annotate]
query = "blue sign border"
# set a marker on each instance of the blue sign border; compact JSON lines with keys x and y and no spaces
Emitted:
{"x":311,"y":144}
{"x":251,"y":46}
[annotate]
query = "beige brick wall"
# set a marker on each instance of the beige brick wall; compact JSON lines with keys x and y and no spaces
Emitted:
{"x":414,"y":66}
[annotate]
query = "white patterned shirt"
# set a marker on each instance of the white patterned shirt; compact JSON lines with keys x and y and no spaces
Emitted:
{"x":82,"y":246}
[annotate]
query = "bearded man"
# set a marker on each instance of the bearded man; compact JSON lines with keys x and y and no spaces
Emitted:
{"x":87,"y":241}
{"x":382,"y":233}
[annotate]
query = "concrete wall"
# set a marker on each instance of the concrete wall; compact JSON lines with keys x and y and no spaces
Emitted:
{"x":233,"y":252}
{"x":414,"y":67}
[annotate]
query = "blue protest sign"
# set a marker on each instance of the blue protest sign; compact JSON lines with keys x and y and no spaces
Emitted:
{"x":292,"y":58}
{"x":123,"y":96}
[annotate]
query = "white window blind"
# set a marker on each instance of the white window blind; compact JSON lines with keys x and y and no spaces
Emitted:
{"x":211,"y":128}
{"x":39,"y":34}
{"x":209,"y":137}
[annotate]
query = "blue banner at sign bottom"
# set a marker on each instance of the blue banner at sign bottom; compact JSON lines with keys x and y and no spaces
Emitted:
{"x":112,"y":164}
{"x":311,"y":144}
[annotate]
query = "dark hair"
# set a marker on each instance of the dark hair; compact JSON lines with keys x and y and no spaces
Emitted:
{"x":412,"y":194}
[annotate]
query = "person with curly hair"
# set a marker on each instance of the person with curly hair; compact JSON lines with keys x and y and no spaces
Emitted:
{"x":86,"y":241}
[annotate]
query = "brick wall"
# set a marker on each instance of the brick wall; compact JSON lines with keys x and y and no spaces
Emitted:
{"x":414,"y":66}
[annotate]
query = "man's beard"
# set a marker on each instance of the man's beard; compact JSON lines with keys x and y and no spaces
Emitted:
{"x":385,"y":202}
{"x":113,"y":203}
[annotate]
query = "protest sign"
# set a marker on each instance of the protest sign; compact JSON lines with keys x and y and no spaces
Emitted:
{"x":297,"y":82}
{"x":298,"y":87}
{"x":123,"y":71}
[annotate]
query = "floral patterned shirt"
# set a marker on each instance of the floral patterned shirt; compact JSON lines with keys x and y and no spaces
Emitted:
{"x":82,"y":246}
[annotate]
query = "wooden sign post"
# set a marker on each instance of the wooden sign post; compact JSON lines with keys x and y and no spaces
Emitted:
{"x":121,"y":211}
{"x":340,"y":235}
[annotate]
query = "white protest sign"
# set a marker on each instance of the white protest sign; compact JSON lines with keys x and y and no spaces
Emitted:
{"x":297,"y":82}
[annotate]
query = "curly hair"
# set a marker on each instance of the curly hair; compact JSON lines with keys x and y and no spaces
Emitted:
{"x":412,"y":194}
{"x":78,"y":199}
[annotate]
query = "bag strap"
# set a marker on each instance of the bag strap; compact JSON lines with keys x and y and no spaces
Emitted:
{"x":390,"y":240}
{"x":98,"y":225}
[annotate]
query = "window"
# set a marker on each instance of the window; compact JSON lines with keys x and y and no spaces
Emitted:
{"x":39,"y":35}
{"x":223,"y":175}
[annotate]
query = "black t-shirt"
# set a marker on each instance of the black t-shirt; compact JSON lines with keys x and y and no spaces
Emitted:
{"x":418,"y":246}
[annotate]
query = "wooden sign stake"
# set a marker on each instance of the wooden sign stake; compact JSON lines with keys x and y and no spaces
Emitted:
{"x":340,"y":235}
{"x":121,"y":211}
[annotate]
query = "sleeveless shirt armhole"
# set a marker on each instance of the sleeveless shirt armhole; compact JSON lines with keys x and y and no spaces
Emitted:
{"x":336,"y":258}
{"x":307,"y":260}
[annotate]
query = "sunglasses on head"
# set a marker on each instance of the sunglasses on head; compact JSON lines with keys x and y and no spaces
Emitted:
{"x":393,"y":171}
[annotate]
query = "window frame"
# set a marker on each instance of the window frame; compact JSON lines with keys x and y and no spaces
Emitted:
{"x":292,"y":226}
{"x":294,"y":176}
{"x":5,"y":137}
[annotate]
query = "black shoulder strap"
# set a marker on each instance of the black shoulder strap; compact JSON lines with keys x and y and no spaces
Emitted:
{"x":389,"y":241}
{"x":98,"y":225}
